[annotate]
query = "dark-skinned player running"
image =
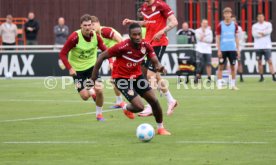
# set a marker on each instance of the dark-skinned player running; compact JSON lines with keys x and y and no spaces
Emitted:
{"x":128,"y":75}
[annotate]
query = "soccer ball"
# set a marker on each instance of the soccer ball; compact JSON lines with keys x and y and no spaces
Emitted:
{"x":8,"y":75}
{"x":145,"y":132}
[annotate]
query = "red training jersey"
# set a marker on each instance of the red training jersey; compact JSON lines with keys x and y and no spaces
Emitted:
{"x":107,"y":32}
{"x":129,"y":58}
{"x":156,"y":16}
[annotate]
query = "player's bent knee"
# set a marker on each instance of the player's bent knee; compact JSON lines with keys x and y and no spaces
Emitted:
{"x":98,"y":88}
{"x":84,"y":97}
{"x":84,"y":94}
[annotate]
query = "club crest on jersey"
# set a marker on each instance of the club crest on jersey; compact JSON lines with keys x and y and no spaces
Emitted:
{"x":130,"y":92}
{"x":153,"y":8}
{"x":143,"y":49}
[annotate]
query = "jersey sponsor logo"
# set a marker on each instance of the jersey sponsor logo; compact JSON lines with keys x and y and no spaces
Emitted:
{"x":131,"y":64}
{"x":228,"y":33}
{"x":227,"y":40}
{"x":151,"y":22}
{"x":86,"y":54}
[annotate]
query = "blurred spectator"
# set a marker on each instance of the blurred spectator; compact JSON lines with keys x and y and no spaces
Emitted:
{"x":31,"y":29}
{"x":204,"y":37}
{"x":8,"y":32}
{"x":262,"y":43}
{"x":61,"y":32}
{"x":188,"y":33}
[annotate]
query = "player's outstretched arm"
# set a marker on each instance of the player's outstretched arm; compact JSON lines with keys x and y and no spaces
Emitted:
{"x":104,"y":55}
{"x":172,"y":22}
{"x":129,"y":21}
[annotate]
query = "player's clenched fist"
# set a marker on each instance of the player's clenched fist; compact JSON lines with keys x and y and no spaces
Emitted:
{"x":161,"y":69}
{"x":127,"y":21}
{"x":72,"y":72}
{"x":158,"y":35}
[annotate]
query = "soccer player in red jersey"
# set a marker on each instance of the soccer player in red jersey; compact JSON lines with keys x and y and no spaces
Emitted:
{"x":110,"y":37}
{"x":128,"y":75}
{"x":156,"y":15}
{"x":81,"y":48}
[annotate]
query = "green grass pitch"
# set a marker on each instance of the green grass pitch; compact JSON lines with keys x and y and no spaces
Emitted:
{"x":210,"y":127}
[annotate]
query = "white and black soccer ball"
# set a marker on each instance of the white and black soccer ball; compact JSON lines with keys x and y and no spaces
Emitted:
{"x":145,"y":132}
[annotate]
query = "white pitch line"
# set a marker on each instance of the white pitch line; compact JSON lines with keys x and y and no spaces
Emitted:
{"x":219,"y":142}
{"x":49,"y":142}
{"x":55,"y":117}
{"x":93,"y":142}
{"x":45,"y":100}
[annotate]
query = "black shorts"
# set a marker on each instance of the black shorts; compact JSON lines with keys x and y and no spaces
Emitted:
{"x":231,"y":55}
{"x":159,"y":51}
{"x":204,"y":58}
{"x":81,"y":78}
{"x":131,"y":88}
{"x":263,"y":52}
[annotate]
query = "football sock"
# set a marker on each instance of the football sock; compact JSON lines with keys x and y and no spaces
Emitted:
{"x":233,"y":82}
{"x":241,"y":78}
{"x":219,"y":82}
{"x":99,"y":110}
{"x":169,"y":96}
{"x":119,"y":99}
{"x":160,"y":125}
{"x":273,"y":76}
